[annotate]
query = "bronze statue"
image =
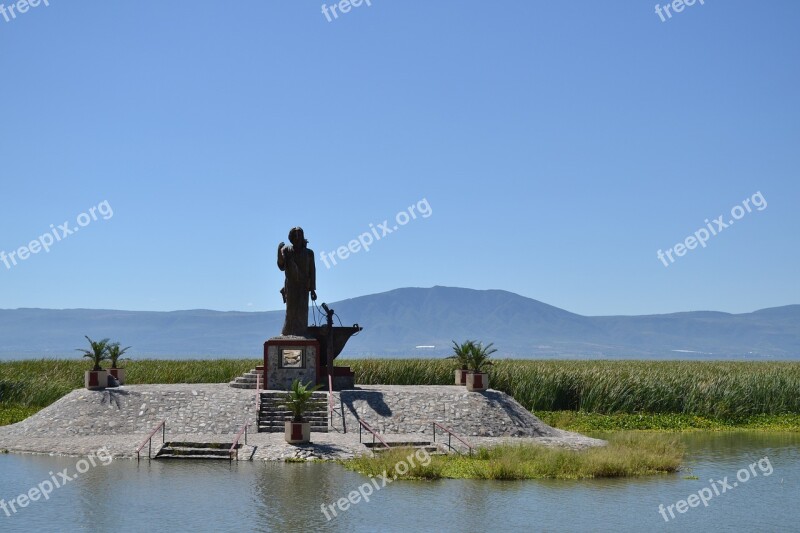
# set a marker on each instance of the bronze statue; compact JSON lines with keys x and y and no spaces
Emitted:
{"x":297,"y":262}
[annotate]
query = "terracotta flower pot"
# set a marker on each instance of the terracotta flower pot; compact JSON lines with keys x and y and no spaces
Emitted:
{"x":96,"y":379}
{"x":477,"y":381}
{"x":118,"y":373}
{"x":297,"y":432}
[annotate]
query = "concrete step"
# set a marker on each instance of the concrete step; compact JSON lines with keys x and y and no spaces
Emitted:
{"x":288,"y":414}
{"x":283,"y":398}
{"x":281,"y":404}
{"x":282,"y":421}
{"x":281,"y":429}
{"x":316,"y":424}
{"x":282,"y":401}
{"x":429,"y":447}
{"x":195,"y":450}
{"x":210,"y":445}
{"x":315,"y":406}
{"x":225,"y":457}
{"x":248,"y":380}
{"x":402,"y":444}
{"x":236,"y":385}
{"x":382,"y":449}
{"x":273,"y":413}
{"x":285,"y":418}
{"x":187,"y":452}
{"x":310,"y":412}
{"x":318,"y":411}
{"x":312,"y":408}
{"x":281,"y":394}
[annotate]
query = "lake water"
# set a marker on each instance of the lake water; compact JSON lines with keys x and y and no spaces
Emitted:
{"x":220,"y":496}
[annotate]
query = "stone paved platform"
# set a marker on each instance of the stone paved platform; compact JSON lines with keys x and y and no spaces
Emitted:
{"x":410,"y":409}
{"x":120,"y":419}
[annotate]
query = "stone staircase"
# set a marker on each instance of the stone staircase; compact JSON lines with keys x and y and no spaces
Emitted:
{"x":249,"y":380}
{"x":431,"y":447}
{"x":273,"y":413}
{"x":195,"y":450}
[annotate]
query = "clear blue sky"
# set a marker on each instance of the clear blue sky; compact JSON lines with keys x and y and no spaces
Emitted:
{"x":558,"y":144}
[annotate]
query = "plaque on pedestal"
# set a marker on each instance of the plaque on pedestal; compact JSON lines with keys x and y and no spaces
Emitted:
{"x":287,"y":358}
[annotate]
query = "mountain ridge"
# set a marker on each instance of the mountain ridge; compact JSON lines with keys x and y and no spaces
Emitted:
{"x":399,"y":320}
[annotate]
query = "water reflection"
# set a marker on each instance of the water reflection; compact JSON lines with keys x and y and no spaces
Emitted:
{"x":221,"y":496}
{"x":289,"y":497}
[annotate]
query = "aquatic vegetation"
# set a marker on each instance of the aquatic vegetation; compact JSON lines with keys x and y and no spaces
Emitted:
{"x":11,"y":414}
{"x":626,"y":455}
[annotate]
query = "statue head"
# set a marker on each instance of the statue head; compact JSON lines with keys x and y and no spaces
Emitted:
{"x":297,"y":237}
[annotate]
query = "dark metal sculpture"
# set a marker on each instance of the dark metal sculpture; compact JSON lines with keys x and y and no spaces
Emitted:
{"x":297,"y":262}
{"x":332,"y":340}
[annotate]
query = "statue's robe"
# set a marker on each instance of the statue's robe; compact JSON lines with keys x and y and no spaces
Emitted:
{"x":301,"y":278}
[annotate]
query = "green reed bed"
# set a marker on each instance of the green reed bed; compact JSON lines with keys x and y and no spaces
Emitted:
{"x":38,"y":383}
{"x":579,"y":395}
{"x":627,"y":454}
{"x":712,"y":389}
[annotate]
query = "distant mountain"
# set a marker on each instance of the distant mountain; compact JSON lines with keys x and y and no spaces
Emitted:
{"x":397,"y":322}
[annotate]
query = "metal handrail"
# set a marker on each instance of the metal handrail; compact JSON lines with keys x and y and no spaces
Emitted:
{"x":331,"y":409}
{"x":234,"y":446}
{"x":451,"y":433}
{"x":374,"y":433}
{"x":258,"y":394}
{"x":330,"y":399}
{"x":163,"y":427}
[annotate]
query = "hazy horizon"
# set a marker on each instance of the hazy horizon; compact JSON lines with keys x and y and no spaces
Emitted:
{"x":383,"y":292}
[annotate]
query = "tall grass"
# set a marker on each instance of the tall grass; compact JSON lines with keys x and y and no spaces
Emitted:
{"x":717,"y":389}
{"x":38,"y":383}
{"x":720,"y":389}
{"x":627,"y":454}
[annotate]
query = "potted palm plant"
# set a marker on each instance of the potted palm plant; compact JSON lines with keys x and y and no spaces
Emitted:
{"x":115,"y":354}
{"x":461,"y":353}
{"x":96,"y":378}
{"x":478,"y":378}
{"x":297,"y":430}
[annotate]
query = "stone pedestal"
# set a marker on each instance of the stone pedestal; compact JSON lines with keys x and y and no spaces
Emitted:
{"x":289,"y":358}
{"x":343,"y":378}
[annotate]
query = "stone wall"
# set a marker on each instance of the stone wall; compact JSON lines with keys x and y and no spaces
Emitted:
{"x":215,"y":409}
{"x":220,"y":409}
{"x":412,"y":409}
